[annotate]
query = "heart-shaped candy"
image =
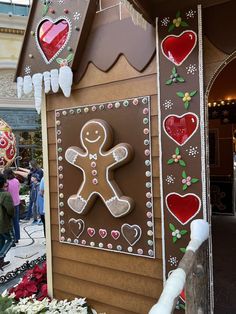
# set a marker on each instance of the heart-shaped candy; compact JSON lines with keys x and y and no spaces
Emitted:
{"x":181,"y":128}
{"x":178,"y":48}
{"x":115,"y":234}
{"x":131,"y":233}
{"x":91,"y":232}
{"x":102,"y":233}
{"x":52,"y":36}
{"x":183,"y":207}
{"x":76,"y":226}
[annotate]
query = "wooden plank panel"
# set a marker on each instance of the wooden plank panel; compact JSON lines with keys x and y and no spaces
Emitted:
{"x":154,"y":108}
{"x":108,"y":277}
{"x":145,"y":266}
{"x":52,"y":152}
{"x":51,"y":136}
{"x":53,"y":168}
{"x":51,"y":119}
{"x":117,"y":298}
{"x":98,"y":306}
{"x":155,"y":147}
{"x":125,"y":89}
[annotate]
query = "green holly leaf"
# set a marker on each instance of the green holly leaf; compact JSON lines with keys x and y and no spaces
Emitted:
{"x":45,"y":8}
{"x":178,"y":14}
{"x":183,"y":232}
{"x":183,"y":249}
{"x":180,"y":79}
{"x":180,"y":94}
{"x":186,"y":104}
{"x":184,"y":175}
{"x":172,"y":227}
{"x":59,"y":60}
{"x":177,"y":152}
{"x":174,"y":239}
{"x":169,"y":82}
{"x":170,"y":161}
{"x":182,"y":163}
{"x":182,"y":306}
{"x":184,"y":24}
{"x":70,"y":57}
{"x":174,"y":71}
{"x":193,"y":93}
{"x":194,"y":180}
{"x":171,"y":27}
{"x":185,"y":187}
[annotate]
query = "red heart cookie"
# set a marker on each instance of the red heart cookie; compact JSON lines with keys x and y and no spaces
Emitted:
{"x":76,"y":226}
{"x":181,"y":128}
{"x":51,"y":37}
{"x":178,"y":48}
{"x":183,"y":207}
{"x":131,"y":233}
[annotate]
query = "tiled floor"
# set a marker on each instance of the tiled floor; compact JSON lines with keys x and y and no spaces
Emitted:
{"x":30,"y":246}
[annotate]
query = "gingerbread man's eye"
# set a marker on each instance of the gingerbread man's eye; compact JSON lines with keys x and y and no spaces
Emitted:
{"x":96,"y":132}
{"x":87,"y":133}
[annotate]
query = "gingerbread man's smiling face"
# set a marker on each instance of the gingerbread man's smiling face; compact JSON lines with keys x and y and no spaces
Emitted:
{"x":95,"y":134}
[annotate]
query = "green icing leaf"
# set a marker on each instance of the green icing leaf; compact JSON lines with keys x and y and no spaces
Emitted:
{"x":178,"y":14}
{"x":45,"y":8}
{"x":182,"y":163}
{"x":194,"y":92}
{"x":183,"y":232}
{"x":183,"y":23}
{"x":182,"y":306}
{"x":183,"y":249}
{"x":70,"y":57}
{"x":169,"y":82}
{"x":170,"y":161}
{"x":186,"y":104}
{"x":59,"y":60}
{"x":185,"y":187}
{"x":172,"y":227}
{"x":184,"y":175}
{"x":180,"y":94}
{"x":171,"y":27}
{"x":174,"y":239}
{"x":180,"y":79}
{"x":177,"y":151}
{"x":194,"y":180}
{"x":174,"y":71}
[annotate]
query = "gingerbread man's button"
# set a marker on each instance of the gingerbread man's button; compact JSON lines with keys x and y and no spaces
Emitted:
{"x":96,"y":139}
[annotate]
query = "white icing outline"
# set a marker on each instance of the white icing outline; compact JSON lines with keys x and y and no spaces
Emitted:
{"x":82,"y":225}
{"x":175,"y":115}
{"x":93,"y":141}
{"x":183,"y":196}
{"x":106,"y":202}
{"x":137,"y":228}
{"x":196,"y":39}
{"x":54,"y":21}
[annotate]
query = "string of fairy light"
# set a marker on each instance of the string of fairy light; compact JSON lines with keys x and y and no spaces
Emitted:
{"x":221,"y":103}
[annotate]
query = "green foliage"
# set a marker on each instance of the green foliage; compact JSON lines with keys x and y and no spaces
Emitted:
{"x":38,"y":149}
{"x":5,"y":303}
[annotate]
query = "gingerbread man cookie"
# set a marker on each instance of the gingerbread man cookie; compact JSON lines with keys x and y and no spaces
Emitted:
{"x":97,"y":163}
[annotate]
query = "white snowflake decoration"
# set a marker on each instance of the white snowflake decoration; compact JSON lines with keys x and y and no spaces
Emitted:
{"x":173,"y":261}
{"x":168,"y":104}
{"x":76,"y":16}
{"x":165,"y":21}
{"x":192,"y":151}
{"x":27,"y":69}
{"x":191,"y":69}
{"x":60,"y":1}
{"x":170,"y":179}
{"x":190,"y":14}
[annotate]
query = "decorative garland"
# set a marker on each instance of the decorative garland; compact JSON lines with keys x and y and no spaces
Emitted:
{"x":19,"y":270}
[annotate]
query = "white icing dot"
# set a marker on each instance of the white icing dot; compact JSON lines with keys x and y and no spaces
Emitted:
{"x":69,"y":240}
{"x":148,"y":174}
{"x":76,"y":241}
{"x":92,"y":244}
{"x":117,"y":105}
{"x":119,"y":247}
{"x":149,"y":205}
{"x":63,"y":230}
{"x":150,"y":223}
{"x":150,"y":233}
{"x":62,"y":238}
{"x":60,"y":158}
{"x":64,"y":113}
{"x":140,"y":251}
{"x":130,"y":249}
{"x":150,"y":252}
{"x":61,"y":195}
{"x":62,"y":213}
{"x":62,"y":222}
{"x":61,"y":204}
{"x":58,"y":122}
{"x":101,"y":245}
{"x":148,"y":185}
{"x":150,"y":242}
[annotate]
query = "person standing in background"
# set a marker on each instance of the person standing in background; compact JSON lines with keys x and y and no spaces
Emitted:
{"x":34,"y":196}
{"x":13,"y":187}
{"x":41,"y":204}
{"x":34,"y":169}
{"x":7,"y":212}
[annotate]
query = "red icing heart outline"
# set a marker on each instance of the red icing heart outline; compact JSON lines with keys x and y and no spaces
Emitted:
{"x":173,"y":128}
{"x":181,"y":208}
{"x":102,"y":233}
{"x":177,"y":48}
{"x":115,"y":234}
{"x":63,"y":43}
{"x":91,"y":232}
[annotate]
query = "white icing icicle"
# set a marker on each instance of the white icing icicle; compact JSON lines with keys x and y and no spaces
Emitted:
{"x":54,"y":80}
{"x":47,"y":81}
{"x":37,"y":82}
{"x":20,"y":83}
{"x":137,"y":18}
{"x":27,"y":85}
{"x":65,"y":79}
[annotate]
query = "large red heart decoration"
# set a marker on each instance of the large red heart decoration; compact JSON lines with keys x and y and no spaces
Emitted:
{"x":178,"y":48}
{"x":51,"y":37}
{"x":183,"y":207}
{"x":181,"y":128}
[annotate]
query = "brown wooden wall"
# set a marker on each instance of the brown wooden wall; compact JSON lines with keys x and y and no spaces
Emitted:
{"x":113,"y":283}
